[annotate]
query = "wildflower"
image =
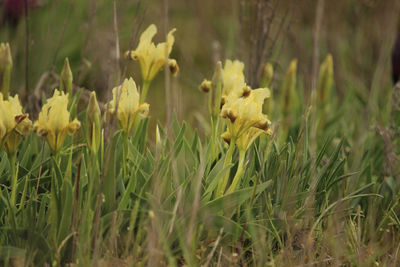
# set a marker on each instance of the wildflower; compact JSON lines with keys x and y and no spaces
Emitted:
{"x":53,"y":122}
{"x":13,"y":123}
{"x":173,"y":66}
{"x":205,"y":86}
{"x":242,"y":107}
{"x":268,"y":74}
{"x":152,"y":57}
{"x":93,"y":124}
{"x":126,"y":102}
{"x":245,"y":118}
{"x":289,"y":95}
{"x":233,"y":79}
{"x":66,"y":78}
{"x":5,"y":69}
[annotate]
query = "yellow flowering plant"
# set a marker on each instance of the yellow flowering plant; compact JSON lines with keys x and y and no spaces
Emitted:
{"x":53,"y":122}
{"x":13,"y":124}
{"x":240,"y":105}
{"x":152,"y":57}
{"x":214,"y":90}
{"x":126,"y":104}
{"x":245,"y":122}
{"x":66,"y":78}
{"x":246,"y":112}
{"x":233,"y":80}
{"x":93,"y":124}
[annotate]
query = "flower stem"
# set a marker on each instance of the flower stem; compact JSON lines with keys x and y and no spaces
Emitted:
{"x":54,"y":198}
{"x":12,"y":158}
{"x":145,"y":89}
{"x":239,"y":172}
{"x":214,"y":136}
{"x":228,"y":159}
{"x":124,"y":154}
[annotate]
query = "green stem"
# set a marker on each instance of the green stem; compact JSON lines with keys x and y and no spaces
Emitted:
{"x":124,"y":154}
{"x":210,"y":103}
{"x":145,"y":89}
{"x":239,"y":172}
{"x":13,"y":158}
{"x":214,"y":136}
{"x":54,"y":193}
{"x":228,"y":159}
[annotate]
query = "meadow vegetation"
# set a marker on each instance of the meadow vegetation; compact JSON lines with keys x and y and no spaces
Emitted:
{"x":275,"y":165}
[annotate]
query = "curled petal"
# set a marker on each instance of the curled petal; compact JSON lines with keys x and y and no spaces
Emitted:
{"x":143,"y":110}
{"x":263,"y":124}
{"x":246,"y":91}
{"x":170,"y":39}
{"x":24,"y":126}
{"x":39,"y":129}
{"x":227,"y":137}
{"x":223,"y":101}
{"x":152,"y":57}
{"x":20,"y":118}
{"x":131,"y":55}
{"x":259,"y":95}
{"x":205,"y":86}
{"x":230,"y":114}
{"x":173,"y":66}
{"x":73,"y":126}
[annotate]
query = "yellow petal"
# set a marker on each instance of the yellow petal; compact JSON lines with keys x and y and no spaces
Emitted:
{"x":126,"y":100}
{"x":73,"y":126}
{"x":53,"y":122}
{"x":173,"y":67}
{"x":233,"y":78}
{"x":24,"y":126}
{"x":147,"y":35}
{"x":143,"y":110}
{"x":227,"y":137}
{"x":152,"y":57}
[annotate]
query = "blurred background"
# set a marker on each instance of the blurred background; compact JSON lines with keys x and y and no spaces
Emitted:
{"x":94,"y":35}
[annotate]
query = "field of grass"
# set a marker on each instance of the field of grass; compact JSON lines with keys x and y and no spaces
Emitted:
{"x":260,"y":133}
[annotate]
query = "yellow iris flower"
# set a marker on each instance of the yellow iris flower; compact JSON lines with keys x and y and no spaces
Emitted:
{"x":13,"y":123}
{"x":245,"y":118}
{"x":126,"y":102}
{"x":152,"y":57}
{"x":53,"y":122}
{"x":233,"y":80}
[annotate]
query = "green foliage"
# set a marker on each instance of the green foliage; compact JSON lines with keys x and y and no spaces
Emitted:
{"x":79,"y":205}
{"x":110,"y":198}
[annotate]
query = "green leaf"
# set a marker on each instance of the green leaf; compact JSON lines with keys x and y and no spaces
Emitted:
{"x":66,"y":207}
{"x":231,"y":200}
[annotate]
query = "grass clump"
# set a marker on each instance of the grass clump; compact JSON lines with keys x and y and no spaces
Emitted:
{"x":275,"y":183}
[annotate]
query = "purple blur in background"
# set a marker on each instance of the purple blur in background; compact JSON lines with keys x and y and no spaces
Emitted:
{"x":13,"y":10}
